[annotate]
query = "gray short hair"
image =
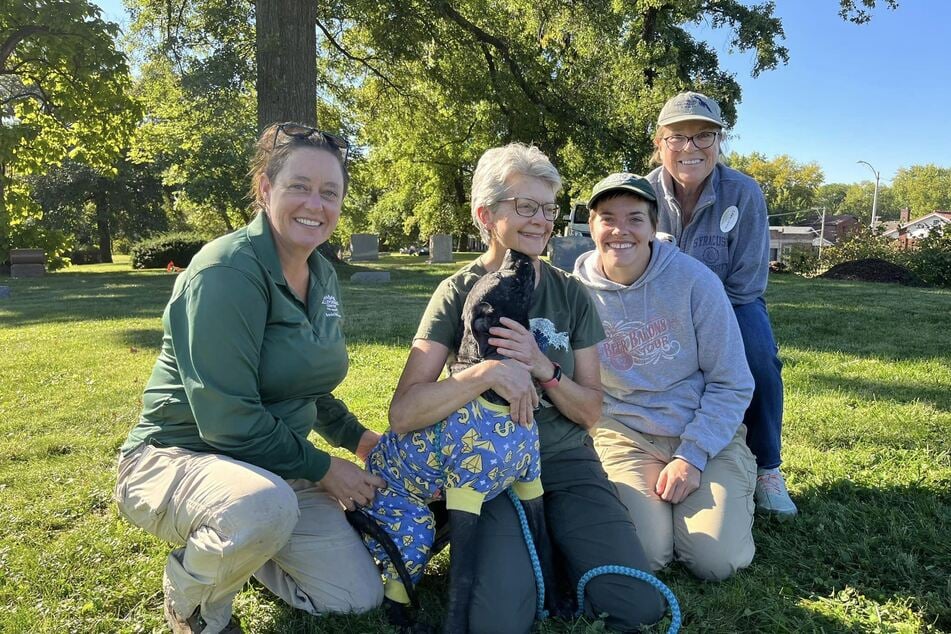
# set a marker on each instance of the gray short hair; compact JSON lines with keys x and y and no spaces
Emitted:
{"x":496,"y":166}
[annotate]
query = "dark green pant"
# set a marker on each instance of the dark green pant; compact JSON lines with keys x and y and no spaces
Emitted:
{"x":589,"y":527}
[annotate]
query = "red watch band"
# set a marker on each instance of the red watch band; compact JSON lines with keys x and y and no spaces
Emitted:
{"x":553,"y":381}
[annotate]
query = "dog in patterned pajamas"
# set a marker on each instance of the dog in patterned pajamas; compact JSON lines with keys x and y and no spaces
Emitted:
{"x":469,"y":458}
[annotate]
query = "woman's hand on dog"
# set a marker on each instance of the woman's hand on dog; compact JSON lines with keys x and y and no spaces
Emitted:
{"x":349,"y":484}
{"x":512,"y":380}
{"x":517,"y":342}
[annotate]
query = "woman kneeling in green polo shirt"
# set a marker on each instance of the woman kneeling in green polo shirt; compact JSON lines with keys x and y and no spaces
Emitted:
{"x":219,"y":462}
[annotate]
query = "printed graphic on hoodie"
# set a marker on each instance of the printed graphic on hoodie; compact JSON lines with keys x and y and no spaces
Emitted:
{"x":632,"y":343}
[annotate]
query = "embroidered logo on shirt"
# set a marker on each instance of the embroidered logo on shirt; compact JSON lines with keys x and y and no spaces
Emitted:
{"x":631,"y":343}
{"x":333,"y":308}
{"x":547,"y":335}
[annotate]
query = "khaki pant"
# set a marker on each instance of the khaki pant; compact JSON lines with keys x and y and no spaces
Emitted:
{"x":710,"y":531}
{"x":234,"y":519}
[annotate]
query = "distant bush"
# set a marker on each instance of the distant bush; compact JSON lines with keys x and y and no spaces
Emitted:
{"x":929,"y":258}
{"x":802,"y":259}
{"x":157,"y":252}
{"x":862,"y":244}
{"x":775,"y":266}
{"x":85,"y":255}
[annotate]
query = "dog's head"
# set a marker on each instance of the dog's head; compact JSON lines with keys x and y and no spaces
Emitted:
{"x":503,"y":293}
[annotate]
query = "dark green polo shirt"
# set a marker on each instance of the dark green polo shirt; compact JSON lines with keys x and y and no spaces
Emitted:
{"x":246,"y":369}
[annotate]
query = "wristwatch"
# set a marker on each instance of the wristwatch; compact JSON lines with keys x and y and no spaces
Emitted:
{"x":553,"y":381}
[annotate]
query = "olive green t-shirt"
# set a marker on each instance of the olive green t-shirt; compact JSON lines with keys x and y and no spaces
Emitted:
{"x":562,"y":317}
{"x":246,"y":369}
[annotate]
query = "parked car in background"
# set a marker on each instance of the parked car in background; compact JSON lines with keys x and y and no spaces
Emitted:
{"x":578,"y":221}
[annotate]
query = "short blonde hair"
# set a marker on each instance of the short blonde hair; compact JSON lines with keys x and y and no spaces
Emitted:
{"x":497,"y":165}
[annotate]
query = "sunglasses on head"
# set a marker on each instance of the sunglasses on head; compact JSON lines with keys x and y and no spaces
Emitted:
{"x":303,"y":132}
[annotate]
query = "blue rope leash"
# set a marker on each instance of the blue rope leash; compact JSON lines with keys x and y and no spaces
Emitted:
{"x":541,"y":613}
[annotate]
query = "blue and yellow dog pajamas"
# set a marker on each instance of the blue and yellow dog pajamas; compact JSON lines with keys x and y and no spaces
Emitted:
{"x":469,"y":458}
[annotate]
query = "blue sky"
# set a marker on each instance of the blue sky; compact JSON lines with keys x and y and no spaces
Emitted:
{"x":849,"y":93}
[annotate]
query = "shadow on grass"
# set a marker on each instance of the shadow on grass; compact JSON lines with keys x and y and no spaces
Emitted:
{"x":887,"y":544}
{"x":894,"y":392}
{"x":141,"y":338}
{"x":871,"y":320}
{"x":86,"y":297}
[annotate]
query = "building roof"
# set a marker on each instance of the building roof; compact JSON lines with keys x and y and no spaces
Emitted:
{"x":791,"y":229}
{"x":938,"y":217}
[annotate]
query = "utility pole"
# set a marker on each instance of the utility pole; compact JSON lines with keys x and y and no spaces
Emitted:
{"x":875,"y":195}
{"x":822,"y":232}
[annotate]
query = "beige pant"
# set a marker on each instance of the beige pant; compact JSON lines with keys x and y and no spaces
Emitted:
{"x":710,"y":531}
{"x":233,"y":520}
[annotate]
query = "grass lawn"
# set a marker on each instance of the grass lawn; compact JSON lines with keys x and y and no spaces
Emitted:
{"x":867,"y":455}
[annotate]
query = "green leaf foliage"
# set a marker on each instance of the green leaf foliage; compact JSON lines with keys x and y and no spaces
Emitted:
{"x":790,"y":187}
{"x":176,"y":249}
{"x":63,"y":94}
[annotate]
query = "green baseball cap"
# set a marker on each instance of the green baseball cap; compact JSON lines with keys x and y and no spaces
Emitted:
{"x":690,"y":106}
{"x":622,"y":181}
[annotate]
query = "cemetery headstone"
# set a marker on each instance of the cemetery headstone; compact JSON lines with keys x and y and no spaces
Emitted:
{"x":564,"y":250}
{"x":27,"y":263}
{"x":440,"y":248}
{"x":364,"y":247}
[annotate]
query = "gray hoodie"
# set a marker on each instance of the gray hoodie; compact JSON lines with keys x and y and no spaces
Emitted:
{"x":673,"y":362}
{"x":737,"y":250}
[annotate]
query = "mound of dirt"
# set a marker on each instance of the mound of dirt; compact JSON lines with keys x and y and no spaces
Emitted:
{"x":873,"y":270}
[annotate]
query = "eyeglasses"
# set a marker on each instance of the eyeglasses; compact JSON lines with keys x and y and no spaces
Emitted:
{"x":304,"y":132}
{"x":527,"y":208}
{"x":701,"y":140}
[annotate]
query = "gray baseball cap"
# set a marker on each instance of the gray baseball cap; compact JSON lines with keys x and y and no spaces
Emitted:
{"x":690,"y":106}
{"x":622,"y":181}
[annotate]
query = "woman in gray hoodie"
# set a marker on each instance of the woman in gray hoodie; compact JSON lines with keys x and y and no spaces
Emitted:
{"x":676,"y":385}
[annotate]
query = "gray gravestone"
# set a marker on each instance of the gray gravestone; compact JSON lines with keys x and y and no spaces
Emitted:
{"x":4,"y":292}
{"x":564,"y":250}
{"x":27,"y":263}
{"x":440,"y":248}
{"x":27,"y":270}
{"x":364,"y":246}
{"x":371,"y":277}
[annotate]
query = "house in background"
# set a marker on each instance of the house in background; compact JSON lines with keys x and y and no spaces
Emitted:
{"x":837,"y":227}
{"x":910,"y":231}
{"x":782,"y":239}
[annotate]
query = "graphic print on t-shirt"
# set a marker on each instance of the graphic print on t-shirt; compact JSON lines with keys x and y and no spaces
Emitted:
{"x":632,"y":343}
{"x":547,"y":335}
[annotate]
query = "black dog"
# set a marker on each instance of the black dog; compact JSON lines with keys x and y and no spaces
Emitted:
{"x":503,"y":293}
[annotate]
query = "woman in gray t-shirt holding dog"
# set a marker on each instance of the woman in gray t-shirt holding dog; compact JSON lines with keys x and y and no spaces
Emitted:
{"x":513,"y":205}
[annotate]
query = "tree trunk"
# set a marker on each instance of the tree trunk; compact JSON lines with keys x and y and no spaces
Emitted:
{"x":286,"y":48}
{"x":103,"y":228}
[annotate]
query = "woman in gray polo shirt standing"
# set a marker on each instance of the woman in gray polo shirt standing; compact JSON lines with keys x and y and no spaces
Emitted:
{"x":219,"y":463}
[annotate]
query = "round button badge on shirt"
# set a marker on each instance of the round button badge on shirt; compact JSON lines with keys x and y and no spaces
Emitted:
{"x":728,"y":220}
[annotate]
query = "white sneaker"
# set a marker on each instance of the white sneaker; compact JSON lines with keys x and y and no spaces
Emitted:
{"x":771,"y":494}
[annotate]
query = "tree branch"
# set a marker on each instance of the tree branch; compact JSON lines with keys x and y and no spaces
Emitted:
{"x":354,"y":58}
{"x":445,"y":9}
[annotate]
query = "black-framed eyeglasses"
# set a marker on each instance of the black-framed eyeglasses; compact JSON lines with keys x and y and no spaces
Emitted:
{"x":527,"y":207}
{"x":701,"y":140}
{"x":303,"y":132}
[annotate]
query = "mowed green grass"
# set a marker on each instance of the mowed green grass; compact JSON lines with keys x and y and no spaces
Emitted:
{"x":867,"y":456}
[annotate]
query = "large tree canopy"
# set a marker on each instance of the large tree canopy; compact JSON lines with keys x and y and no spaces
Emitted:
{"x":63,"y":92}
{"x":426,"y":85}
